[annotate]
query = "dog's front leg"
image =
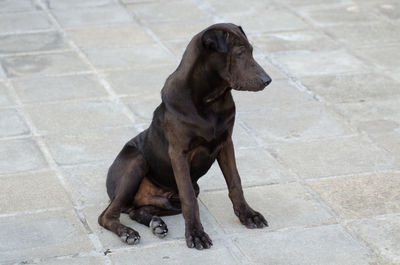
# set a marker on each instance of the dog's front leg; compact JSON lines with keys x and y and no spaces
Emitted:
{"x":227,"y":163}
{"x":194,"y":232}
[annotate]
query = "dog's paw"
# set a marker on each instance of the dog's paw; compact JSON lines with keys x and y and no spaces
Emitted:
{"x":158,"y":227}
{"x":128,"y":235}
{"x":252,"y":219}
{"x":197,"y":238}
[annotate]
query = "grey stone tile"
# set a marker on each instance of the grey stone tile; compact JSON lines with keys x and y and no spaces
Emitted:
{"x":134,"y":56}
{"x":306,"y":63}
{"x":177,"y":47}
{"x":175,"y":223}
{"x":5,"y":97}
{"x":143,"y":107}
{"x":385,"y":57}
{"x":43,"y":64}
{"x":109,"y":36}
{"x":75,"y":4}
{"x":42,"y":89}
{"x":176,"y":10}
{"x":307,"y":3}
{"x":374,"y":117}
{"x":341,"y":14}
{"x":389,"y":141}
{"x":22,"y":22}
{"x":2,"y":74}
{"x":88,"y":182}
{"x":278,"y":94}
{"x":44,"y":41}
{"x":20,"y":155}
{"x":177,"y":253}
{"x":353,"y":88}
{"x":309,"y":121}
{"x":378,"y":33}
{"x":274,"y":72}
{"x":8,"y":6}
{"x":30,"y":192}
{"x":305,"y":40}
{"x":332,"y":157}
{"x":383,"y":234}
{"x":389,"y":8}
{"x":255,"y":166}
{"x":242,"y":138}
{"x":42,"y":235}
{"x":179,"y":31}
{"x":237,"y":6}
{"x":147,"y":80}
{"x":283,"y":205}
{"x":73,"y":261}
{"x":90,"y":146}
{"x":320,"y":245}
{"x":76,"y":116}
{"x":361,"y":196}
{"x":12,"y":123}
{"x":275,"y":19}
{"x":100,"y":15}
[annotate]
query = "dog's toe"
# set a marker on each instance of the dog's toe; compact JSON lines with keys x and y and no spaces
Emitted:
{"x":158,"y":227}
{"x":128,"y":235}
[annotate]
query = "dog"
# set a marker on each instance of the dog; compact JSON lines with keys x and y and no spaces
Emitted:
{"x":156,"y":172}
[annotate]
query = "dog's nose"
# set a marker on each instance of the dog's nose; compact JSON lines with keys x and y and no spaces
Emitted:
{"x":266,"y":80}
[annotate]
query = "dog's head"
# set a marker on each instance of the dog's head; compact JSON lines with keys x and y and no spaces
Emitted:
{"x":230,"y":54}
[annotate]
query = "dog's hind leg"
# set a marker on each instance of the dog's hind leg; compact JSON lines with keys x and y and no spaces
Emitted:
{"x":123,"y":180}
{"x":148,"y":215}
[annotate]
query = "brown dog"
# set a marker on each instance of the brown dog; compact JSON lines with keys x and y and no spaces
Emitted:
{"x":156,"y":172}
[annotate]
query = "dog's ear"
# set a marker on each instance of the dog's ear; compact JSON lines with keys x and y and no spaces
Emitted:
{"x":215,"y":40}
{"x":241,"y":30}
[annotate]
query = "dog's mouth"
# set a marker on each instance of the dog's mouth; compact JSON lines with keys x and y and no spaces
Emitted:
{"x":252,"y":85}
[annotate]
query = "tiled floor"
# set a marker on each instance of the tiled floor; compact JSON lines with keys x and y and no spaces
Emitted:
{"x":318,"y":150}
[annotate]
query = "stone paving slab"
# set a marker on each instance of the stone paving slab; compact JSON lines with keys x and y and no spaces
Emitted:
{"x":382,"y":233}
{"x":132,"y":56}
{"x":23,"y":22}
{"x":141,"y":81}
{"x":307,"y":63}
{"x":72,"y":116}
{"x":319,"y":246}
{"x":116,"y":36}
{"x":354,"y":88}
{"x":304,"y":40}
{"x":333,"y":157}
{"x":20,"y":155}
{"x":318,"y":150}
{"x":51,"y":234}
{"x":309,"y":121}
{"x":90,"y":146}
{"x":99,"y":15}
{"x":87,"y":183}
{"x":32,"y":42}
{"x":12,"y":123}
{"x":42,"y":64}
{"x":57,"y":88}
{"x":173,"y":254}
{"x":5,"y":97}
{"x":361,"y":196}
{"x":8,"y":6}
{"x":18,"y":197}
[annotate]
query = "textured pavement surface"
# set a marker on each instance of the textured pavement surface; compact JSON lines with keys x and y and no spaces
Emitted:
{"x":318,"y":150}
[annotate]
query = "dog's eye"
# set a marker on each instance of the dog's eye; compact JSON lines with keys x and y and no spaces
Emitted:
{"x":241,"y":51}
